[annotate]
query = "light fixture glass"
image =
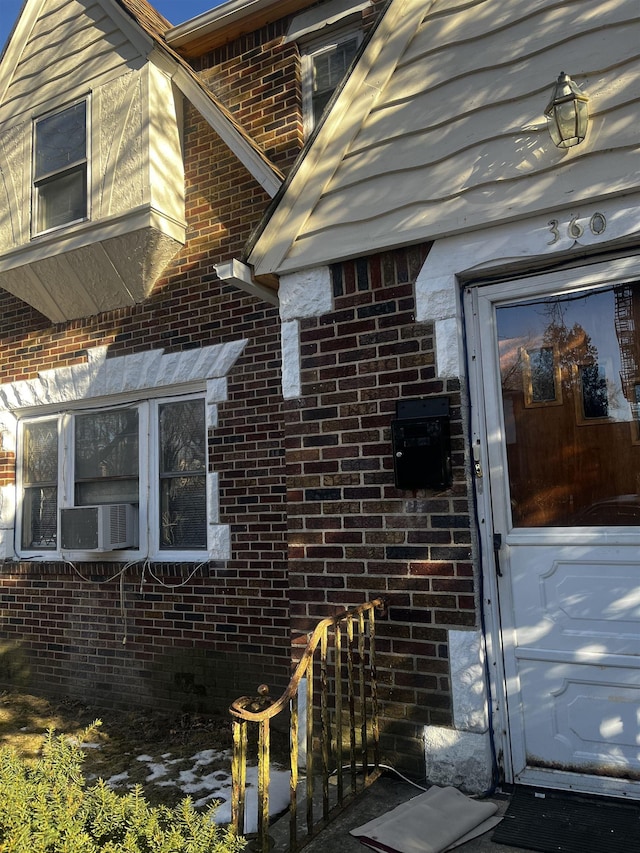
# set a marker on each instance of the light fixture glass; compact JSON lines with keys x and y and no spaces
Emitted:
{"x":567,"y":113}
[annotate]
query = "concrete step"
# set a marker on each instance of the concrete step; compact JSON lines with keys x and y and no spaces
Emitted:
{"x":385,"y":794}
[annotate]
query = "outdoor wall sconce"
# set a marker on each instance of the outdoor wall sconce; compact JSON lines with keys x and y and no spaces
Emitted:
{"x":567,"y":113}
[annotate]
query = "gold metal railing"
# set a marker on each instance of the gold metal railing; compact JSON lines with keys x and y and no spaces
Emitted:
{"x":338,"y":672}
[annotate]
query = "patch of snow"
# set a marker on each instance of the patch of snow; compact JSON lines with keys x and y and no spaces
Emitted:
{"x":186,"y":778}
{"x":278,"y":798}
{"x":216,"y":785}
{"x":156,"y":771}
{"x":205,"y":757}
{"x":119,"y":777}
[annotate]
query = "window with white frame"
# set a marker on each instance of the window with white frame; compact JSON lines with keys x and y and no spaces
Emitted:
{"x":149,"y":456}
{"x":325,"y":65}
{"x":60,"y":166}
{"x":182,"y":450}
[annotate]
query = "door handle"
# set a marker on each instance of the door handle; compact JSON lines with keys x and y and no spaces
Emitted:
{"x":477,"y":462}
{"x":497,"y":545}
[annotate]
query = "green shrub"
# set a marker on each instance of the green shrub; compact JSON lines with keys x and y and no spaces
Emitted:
{"x":45,"y":807}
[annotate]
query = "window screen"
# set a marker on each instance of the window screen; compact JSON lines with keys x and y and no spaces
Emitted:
{"x":106,"y":457}
{"x":329,"y":68}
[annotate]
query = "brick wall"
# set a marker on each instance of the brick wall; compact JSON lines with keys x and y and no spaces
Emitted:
{"x":191,"y":642}
{"x":352,"y":534}
{"x":226,"y":629}
{"x":313,"y":475}
{"x":257,"y":78}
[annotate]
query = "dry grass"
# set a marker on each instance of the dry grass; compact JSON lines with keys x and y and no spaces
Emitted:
{"x":114,"y":749}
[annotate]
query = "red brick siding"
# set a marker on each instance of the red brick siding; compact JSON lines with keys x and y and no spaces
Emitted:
{"x":144,"y":644}
{"x":257,"y":78}
{"x":200,"y":641}
{"x":352,"y":534}
{"x":228,"y":626}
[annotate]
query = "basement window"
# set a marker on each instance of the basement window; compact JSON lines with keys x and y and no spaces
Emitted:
{"x":60,"y":168}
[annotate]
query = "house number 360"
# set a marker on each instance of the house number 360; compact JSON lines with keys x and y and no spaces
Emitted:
{"x":597,"y":225}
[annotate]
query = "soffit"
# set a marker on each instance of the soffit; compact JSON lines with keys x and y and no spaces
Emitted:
{"x":106,"y":272}
{"x":228,"y":22}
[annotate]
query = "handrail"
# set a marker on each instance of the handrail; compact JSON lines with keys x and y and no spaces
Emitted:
{"x":238,"y":708}
{"x":261,"y":709}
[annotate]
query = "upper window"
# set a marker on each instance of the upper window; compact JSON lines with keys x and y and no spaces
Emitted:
{"x":324,"y":68}
{"x":60,"y":168}
{"x":138,"y":471}
{"x":329,"y":34}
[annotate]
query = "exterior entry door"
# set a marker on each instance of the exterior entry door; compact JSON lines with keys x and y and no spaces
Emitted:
{"x":556,"y":361}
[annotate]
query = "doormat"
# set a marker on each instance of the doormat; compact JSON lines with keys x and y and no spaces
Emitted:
{"x":438,"y":820}
{"x":559,"y":822}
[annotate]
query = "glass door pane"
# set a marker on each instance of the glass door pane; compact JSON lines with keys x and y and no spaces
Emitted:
{"x":570,"y":376}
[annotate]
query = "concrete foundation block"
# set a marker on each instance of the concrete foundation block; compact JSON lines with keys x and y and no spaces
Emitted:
{"x":460,"y":759}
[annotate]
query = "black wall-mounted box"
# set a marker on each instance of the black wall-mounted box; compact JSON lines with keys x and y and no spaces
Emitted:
{"x":421,"y":442}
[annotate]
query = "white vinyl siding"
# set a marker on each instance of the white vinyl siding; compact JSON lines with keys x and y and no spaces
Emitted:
{"x":440,"y":129}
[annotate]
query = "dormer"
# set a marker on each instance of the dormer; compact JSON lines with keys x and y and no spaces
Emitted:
{"x":92,"y":189}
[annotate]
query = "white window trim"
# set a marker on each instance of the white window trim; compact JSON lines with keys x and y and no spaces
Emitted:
{"x":102,"y":383}
{"x":35,"y":195}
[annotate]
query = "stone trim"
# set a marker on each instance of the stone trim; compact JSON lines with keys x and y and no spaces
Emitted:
{"x":144,"y":375}
{"x":303,"y":294}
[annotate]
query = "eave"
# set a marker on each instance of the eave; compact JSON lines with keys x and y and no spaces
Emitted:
{"x":94,"y":267}
{"x":226,"y":23}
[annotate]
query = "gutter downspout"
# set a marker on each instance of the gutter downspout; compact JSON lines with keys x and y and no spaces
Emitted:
{"x":240,"y":275}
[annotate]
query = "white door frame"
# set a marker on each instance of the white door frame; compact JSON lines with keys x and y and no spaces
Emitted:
{"x":506,"y":250}
{"x":490,"y":468}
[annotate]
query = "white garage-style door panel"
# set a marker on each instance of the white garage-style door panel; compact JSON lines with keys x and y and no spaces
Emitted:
{"x":577,"y":720}
{"x":558,"y":388}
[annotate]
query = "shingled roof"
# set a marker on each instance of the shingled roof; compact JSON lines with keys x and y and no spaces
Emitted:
{"x":147,"y":17}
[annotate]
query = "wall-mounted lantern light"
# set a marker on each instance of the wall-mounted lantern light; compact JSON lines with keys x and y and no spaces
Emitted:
{"x":567,"y":113}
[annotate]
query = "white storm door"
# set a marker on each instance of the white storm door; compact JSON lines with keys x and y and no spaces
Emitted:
{"x":560,"y":393}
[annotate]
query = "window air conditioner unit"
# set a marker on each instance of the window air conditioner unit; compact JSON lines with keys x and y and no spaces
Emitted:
{"x":106,"y":527}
